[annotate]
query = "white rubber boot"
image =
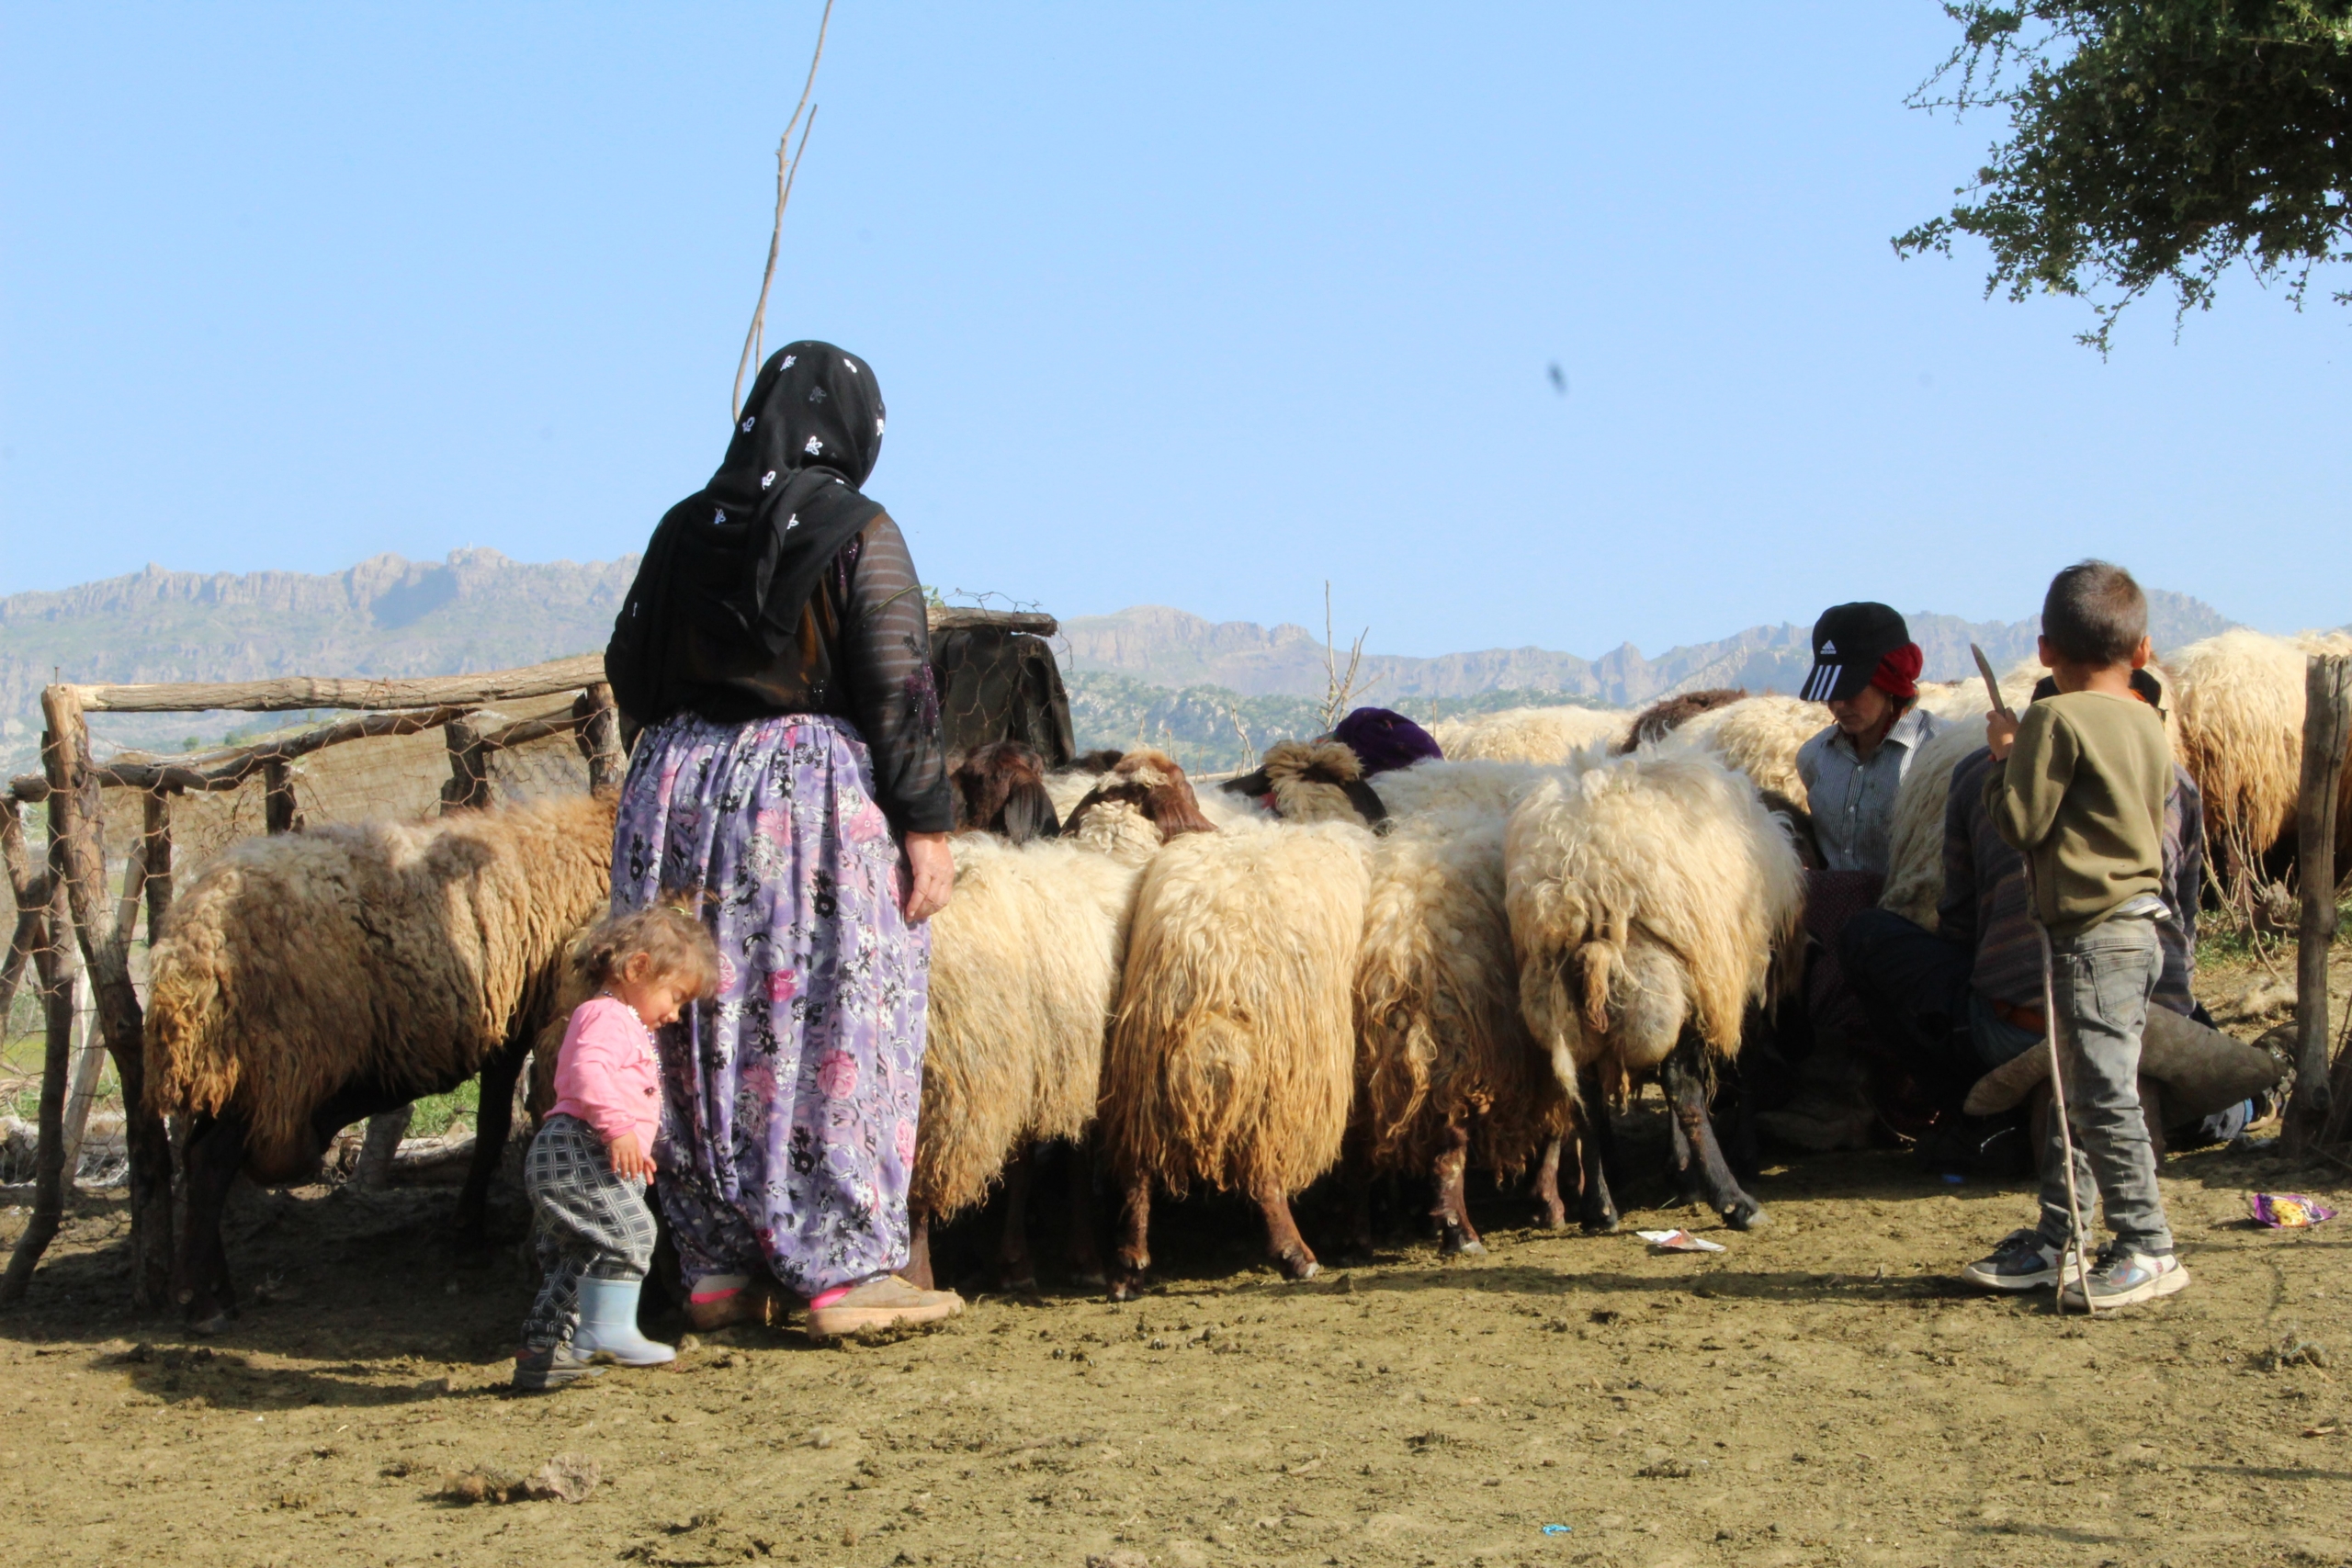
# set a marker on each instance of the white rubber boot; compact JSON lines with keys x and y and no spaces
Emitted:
{"x":608,"y":1326}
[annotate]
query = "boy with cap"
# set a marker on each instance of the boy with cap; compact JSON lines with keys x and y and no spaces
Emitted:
{"x":1866,"y":667}
{"x":2078,"y":785}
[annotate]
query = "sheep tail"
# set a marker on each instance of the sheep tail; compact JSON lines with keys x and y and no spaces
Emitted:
{"x":1597,"y":964}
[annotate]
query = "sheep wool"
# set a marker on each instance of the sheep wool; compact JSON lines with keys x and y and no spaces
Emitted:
{"x":1914,"y":860}
{"x":1446,"y":785}
{"x":1309,"y":780}
{"x":398,"y":954}
{"x":2241,"y":733}
{"x":1758,"y":736}
{"x":1439,"y":1036}
{"x":1025,"y":969}
{"x":1232,"y":1051}
{"x":1527,"y":735}
{"x":1643,"y":895}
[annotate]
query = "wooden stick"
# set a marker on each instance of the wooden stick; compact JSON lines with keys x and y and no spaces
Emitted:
{"x":522,"y":732}
{"x":469,"y":784}
{"x":278,"y":813}
{"x":2327,"y":730}
{"x":956,"y":618}
{"x":600,"y":737}
{"x":156,"y":858}
{"x":785,"y":174}
{"x":317,"y":691}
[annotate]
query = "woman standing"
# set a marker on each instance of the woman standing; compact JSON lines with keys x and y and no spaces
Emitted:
{"x":775,"y":650}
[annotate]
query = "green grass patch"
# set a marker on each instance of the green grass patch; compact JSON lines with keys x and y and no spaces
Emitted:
{"x":435,"y":1112}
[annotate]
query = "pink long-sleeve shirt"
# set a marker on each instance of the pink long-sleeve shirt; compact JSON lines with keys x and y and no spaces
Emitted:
{"x":607,"y":1073}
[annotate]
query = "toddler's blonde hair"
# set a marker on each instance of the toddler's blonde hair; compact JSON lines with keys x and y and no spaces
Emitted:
{"x":677,"y":944}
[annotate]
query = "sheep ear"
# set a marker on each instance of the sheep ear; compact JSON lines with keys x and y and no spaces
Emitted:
{"x":1368,"y":804}
{"x":1250,"y":785}
{"x":1173,"y":809}
{"x":1029,"y":813}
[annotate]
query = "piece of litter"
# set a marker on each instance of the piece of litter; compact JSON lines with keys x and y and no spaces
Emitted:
{"x":2287,"y":1210}
{"x":1555,"y":1530}
{"x":1679,"y":1241}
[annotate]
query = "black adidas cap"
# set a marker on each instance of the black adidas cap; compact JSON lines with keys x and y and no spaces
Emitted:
{"x":1847,"y":642}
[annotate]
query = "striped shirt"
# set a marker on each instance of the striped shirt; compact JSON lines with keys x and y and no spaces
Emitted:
{"x":1984,"y":906}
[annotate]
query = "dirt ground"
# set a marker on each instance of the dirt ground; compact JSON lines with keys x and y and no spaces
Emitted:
{"x":1820,"y":1393}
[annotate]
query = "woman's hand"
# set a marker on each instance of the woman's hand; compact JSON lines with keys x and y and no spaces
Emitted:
{"x":931,"y":875}
{"x":629,"y":1158}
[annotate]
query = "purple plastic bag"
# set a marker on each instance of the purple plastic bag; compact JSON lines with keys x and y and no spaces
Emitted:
{"x":2287,"y":1210}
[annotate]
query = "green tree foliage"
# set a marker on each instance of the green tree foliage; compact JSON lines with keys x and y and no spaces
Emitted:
{"x":2155,"y":142}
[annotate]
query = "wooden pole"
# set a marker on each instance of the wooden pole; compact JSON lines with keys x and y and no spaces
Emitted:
{"x":60,"y":1005}
{"x":278,"y":812}
{"x":155,"y":855}
{"x":90,"y":1053}
{"x":74,"y":827}
{"x":600,"y":737}
{"x":469,"y":784}
{"x":2327,"y":729}
{"x":31,"y":895}
{"x":316,"y":692}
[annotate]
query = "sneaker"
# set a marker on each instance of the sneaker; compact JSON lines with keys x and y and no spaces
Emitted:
{"x":537,"y":1372}
{"x":888,"y":1302}
{"x":2122,"y":1276}
{"x":2023,"y":1262}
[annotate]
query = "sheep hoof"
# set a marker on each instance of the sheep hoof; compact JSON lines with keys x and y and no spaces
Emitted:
{"x":1749,"y":1216}
{"x":1126,"y":1288}
{"x":1455,"y":1244}
{"x":1301,"y":1269}
{"x":1602,"y":1225}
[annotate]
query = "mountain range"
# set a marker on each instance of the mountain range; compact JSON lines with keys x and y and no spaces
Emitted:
{"x":1144,"y":671}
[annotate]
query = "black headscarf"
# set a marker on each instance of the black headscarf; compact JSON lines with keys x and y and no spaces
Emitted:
{"x":731,"y":567}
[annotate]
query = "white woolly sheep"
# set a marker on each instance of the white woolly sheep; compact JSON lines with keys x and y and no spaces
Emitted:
{"x":2241,"y":737}
{"x":1549,"y":735}
{"x":1651,"y":901}
{"x":1446,"y":1070}
{"x":1025,"y":970}
{"x":308,"y":980}
{"x":1232,"y":1051}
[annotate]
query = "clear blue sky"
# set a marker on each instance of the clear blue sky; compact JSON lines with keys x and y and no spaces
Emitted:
{"x":1190,"y":304}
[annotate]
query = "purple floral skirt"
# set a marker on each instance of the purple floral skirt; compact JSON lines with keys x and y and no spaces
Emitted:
{"x":789,"y":1102}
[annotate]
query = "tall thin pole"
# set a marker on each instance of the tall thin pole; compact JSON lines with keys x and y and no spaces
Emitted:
{"x":786,"y":170}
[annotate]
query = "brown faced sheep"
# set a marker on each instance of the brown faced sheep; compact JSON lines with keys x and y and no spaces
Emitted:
{"x":1232,"y":1051}
{"x":1000,"y":789}
{"x":1141,"y":802}
{"x":1650,"y":901}
{"x":306,"y":981}
{"x":1311,"y":781}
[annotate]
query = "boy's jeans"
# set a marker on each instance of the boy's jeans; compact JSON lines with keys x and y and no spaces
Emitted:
{"x":2101,"y":982}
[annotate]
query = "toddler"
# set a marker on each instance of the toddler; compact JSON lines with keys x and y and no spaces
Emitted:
{"x":588,"y":1167}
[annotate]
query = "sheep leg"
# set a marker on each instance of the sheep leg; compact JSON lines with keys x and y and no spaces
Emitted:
{"x":1684,"y":1165}
{"x":1014,"y":1269}
{"x":1283,"y":1244}
{"x":1132,"y":1255}
{"x":214,"y":1155}
{"x":1356,"y":1177}
{"x":1547,"y":1187}
{"x":918,"y":1270}
{"x":494,"y":1119}
{"x":1686,"y":1089}
{"x":1456,"y":1233}
{"x":1085,"y":1221}
{"x":1597,"y":1210}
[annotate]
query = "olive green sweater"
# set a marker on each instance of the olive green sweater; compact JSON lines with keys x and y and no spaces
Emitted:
{"x":2082,"y":795}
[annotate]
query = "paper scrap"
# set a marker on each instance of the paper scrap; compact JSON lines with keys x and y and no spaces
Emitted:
{"x":1679,"y":1241}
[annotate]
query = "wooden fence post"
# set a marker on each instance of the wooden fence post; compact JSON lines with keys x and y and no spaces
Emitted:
{"x":156,"y":854}
{"x":2327,"y":731}
{"x":61,"y":1004}
{"x":74,"y":828}
{"x":469,"y":783}
{"x":279,"y":811}
{"x":600,"y":737}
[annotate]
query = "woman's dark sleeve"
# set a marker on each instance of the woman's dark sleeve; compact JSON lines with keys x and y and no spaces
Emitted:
{"x":886,"y":665}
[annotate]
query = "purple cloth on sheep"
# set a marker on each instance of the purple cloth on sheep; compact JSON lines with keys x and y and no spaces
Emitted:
{"x":789,"y":1103}
{"x":1383,"y":740}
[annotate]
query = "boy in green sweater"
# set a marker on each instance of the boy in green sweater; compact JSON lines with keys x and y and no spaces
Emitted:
{"x":2078,"y":786}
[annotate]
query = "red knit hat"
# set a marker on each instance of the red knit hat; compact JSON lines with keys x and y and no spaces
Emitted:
{"x":1898,"y":673}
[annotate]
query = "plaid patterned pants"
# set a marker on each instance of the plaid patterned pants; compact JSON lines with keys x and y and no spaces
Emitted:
{"x":589,"y":1222}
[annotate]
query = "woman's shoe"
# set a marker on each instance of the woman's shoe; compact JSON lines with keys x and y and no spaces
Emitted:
{"x":884,"y":1302}
{"x":608,"y":1329}
{"x":753,"y":1303}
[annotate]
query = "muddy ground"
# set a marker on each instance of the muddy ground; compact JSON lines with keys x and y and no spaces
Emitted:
{"x":1820,"y":1393}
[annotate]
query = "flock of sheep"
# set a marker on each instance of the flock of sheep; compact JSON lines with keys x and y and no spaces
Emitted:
{"x":1457,"y":963}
